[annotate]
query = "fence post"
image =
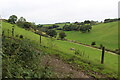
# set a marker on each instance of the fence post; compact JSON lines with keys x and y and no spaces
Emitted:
{"x":40,"y":39}
{"x":102,"y":57}
{"x":8,"y":32}
{"x":13,"y":32}
{"x":3,"y":35}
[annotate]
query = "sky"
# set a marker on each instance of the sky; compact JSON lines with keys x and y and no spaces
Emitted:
{"x":54,"y":11}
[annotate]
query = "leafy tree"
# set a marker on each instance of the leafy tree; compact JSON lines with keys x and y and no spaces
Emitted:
{"x":87,"y":22}
{"x":51,"y":33}
{"x":66,"y":28}
{"x":75,"y":27}
{"x":22,"y":19}
{"x":39,"y":25}
{"x":85,"y":28}
{"x":27,"y":25}
{"x":53,"y":26}
{"x":76,"y":22}
{"x":62,"y":35}
{"x":111,"y":20}
{"x":12,"y":19}
{"x":24,"y":24}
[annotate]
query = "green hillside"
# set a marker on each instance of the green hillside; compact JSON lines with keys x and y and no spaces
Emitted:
{"x":105,"y":34}
{"x":64,"y":47}
{"x":59,"y":24}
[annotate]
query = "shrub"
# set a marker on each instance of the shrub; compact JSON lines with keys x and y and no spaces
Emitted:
{"x":93,"y":43}
{"x":52,"y":33}
{"x":62,"y":35}
{"x":21,"y":36}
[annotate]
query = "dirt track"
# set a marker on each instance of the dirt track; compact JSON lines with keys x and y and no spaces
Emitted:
{"x":62,"y":69}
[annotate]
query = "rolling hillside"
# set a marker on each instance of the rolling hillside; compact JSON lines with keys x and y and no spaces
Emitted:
{"x":66,"y":53}
{"x":105,"y":34}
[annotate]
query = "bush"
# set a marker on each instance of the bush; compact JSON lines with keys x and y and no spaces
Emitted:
{"x":62,"y":35}
{"x":51,"y":33}
{"x":93,"y":43}
{"x":21,"y":36}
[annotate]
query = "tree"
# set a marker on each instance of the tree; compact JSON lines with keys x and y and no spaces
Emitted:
{"x":27,"y":25}
{"x":51,"y":33}
{"x":62,"y":35}
{"x":12,"y":19}
{"x":87,"y":22}
{"x":85,"y":28}
{"x":22,"y":19}
{"x":24,"y":24}
{"x":21,"y":22}
{"x":39,"y":25}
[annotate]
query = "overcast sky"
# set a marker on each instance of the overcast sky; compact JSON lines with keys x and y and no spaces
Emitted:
{"x":53,"y":11}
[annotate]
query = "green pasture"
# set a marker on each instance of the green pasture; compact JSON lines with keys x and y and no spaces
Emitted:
{"x":105,"y":34}
{"x":93,"y":55}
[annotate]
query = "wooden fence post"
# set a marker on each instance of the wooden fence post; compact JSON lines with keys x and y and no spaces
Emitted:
{"x":8,"y":32}
{"x":2,"y":33}
{"x":102,"y":57}
{"x":40,"y":39}
{"x":13,"y":32}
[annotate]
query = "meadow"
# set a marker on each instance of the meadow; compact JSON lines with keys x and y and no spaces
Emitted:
{"x":104,"y":33}
{"x":91,"y":55}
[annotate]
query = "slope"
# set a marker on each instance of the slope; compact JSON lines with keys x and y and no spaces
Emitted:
{"x":105,"y":34}
{"x":66,"y":53}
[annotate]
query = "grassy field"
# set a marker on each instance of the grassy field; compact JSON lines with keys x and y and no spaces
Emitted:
{"x":59,"y":24}
{"x":92,"y":55}
{"x":105,"y":34}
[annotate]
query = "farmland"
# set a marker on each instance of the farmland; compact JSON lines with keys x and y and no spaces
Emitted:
{"x":105,"y":34}
{"x":86,"y":54}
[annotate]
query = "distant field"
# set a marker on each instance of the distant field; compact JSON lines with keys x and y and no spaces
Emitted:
{"x":111,"y":60}
{"x":59,"y":24}
{"x":105,"y":34}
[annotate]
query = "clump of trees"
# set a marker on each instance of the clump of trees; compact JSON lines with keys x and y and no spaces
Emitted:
{"x":51,"y":33}
{"x":62,"y":35}
{"x":53,"y":26}
{"x":21,"y":22}
{"x":75,"y":27}
{"x":24,"y":24}
{"x":85,"y":26}
{"x":111,"y":20}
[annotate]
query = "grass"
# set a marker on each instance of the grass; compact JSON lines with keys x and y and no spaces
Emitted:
{"x":59,"y":24}
{"x":105,"y":34}
{"x":111,"y":60}
{"x":17,"y":65}
{"x":94,"y":55}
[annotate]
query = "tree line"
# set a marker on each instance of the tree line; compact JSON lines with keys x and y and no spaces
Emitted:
{"x":38,"y":29}
{"x":111,"y":20}
{"x":50,"y":30}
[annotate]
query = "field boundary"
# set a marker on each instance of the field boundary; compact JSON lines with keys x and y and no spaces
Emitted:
{"x":93,"y":47}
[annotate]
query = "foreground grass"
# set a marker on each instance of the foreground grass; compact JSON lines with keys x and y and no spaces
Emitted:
{"x":91,"y":56}
{"x":22,"y":60}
